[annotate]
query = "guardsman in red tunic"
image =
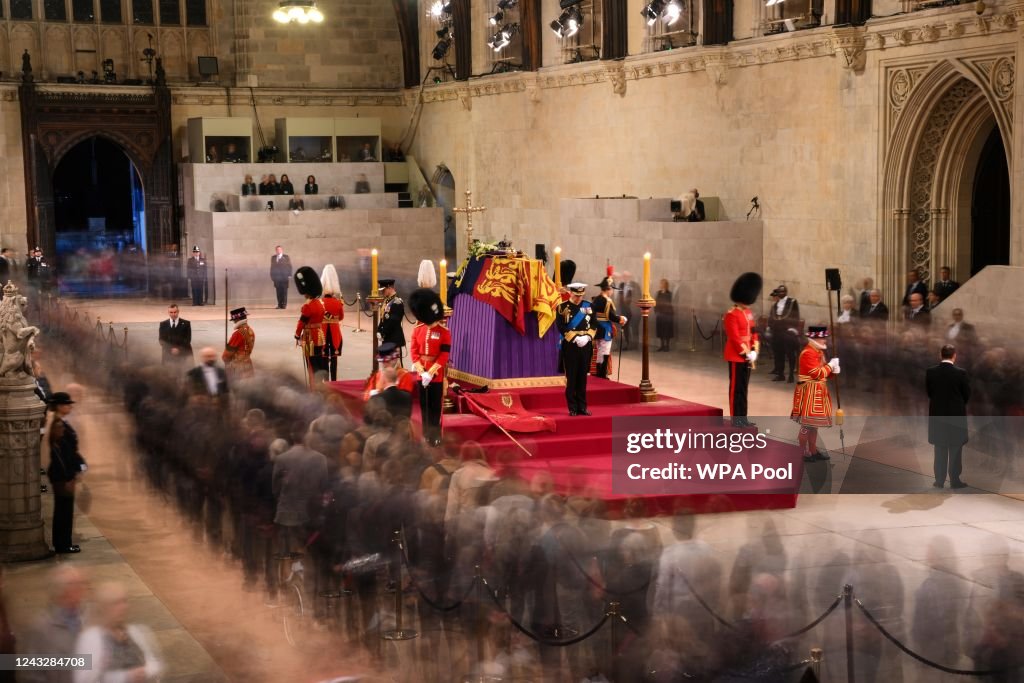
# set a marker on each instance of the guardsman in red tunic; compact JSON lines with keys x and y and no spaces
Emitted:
{"x":334,"y":313}
{"x":429,"y":350}
{"x":237,"y":354}
{"x":741,"y":344}
{"x":388,"y":355}
{"x":310,"y":334}
{"x":812,"y":404}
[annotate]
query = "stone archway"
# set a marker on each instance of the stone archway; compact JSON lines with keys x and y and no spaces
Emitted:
{"x":937,"y":118}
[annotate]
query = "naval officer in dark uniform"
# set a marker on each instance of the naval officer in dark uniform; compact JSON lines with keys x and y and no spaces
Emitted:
{"x":607,"y":318}
{"x":578,"y":325}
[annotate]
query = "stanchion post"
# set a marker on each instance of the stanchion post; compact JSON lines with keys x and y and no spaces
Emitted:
{"x":375,"y":301}
{"x":479,"y":676}
{"x":358,"y":311}
{"x":848,"y":611}
{"x":693,"y":330}
{"x":399,"y":633}
{"x":817,"y":655}
{"x":613,"y":617}
{"x":647,"y":392}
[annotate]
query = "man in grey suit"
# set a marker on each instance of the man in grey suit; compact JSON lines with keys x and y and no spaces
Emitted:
{"x":55,"y":631}
{"x":948,"y":392}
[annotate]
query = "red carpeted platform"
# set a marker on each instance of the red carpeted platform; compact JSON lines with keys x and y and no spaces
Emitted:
{"x":578,"y":454}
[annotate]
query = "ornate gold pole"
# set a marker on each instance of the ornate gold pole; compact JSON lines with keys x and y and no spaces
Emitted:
{"x":469,"y":210}
{"x":647,"y":392}
{"x":375,"y":300}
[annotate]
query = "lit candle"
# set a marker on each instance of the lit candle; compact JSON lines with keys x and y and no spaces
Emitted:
{"x":558,"y":267}
{"x":373,"y":272}
{"x":647,"y":275}
{"x":444,"y":281}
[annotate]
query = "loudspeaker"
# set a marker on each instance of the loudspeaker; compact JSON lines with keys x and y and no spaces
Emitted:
{"x":540,"y":252}
{"x":833,"y":282}
{"x":208,"y":66}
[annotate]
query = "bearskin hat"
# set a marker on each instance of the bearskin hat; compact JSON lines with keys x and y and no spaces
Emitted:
{"x":329,"y":280}
{"x":308,"y":282}
{"x":426,"y":305}
{"x":746,"y":289}
{"x":568,"y":269}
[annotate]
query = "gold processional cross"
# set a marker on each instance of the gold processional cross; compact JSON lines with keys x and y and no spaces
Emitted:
{"x":469,"y":210}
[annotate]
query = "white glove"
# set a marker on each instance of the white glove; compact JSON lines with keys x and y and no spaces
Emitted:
{"x":582,"y":340}
{"x":834,"y":364}
{"x":373,"y":392}
{"x":623,"y":320}
{"x":426,"y":378}
{"x":752,"y":356}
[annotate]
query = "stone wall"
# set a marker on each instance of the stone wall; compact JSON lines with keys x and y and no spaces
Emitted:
{"x":12,"y":174}
{"x":794,"y":119}
{"x":700,"y":260}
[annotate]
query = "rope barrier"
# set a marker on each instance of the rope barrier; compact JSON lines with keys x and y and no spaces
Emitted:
{"x":426,"y":599}
{"x":831,"y":608}
{"x":924,"y":660}
{"x":720,"y":619}
{"x":594,"y":582}
{"x":533,"y":636}
{"x":700,"y":331}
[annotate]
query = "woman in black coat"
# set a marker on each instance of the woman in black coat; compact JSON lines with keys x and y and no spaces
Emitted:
{"x":66,"y":467}
{"x":285,"y":186}
{"x":664,"y":316}
{"x":311,"y":186}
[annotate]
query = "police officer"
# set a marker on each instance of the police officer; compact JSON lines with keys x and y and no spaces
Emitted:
{"x":578,"y":325}
{"x":196,"y":271}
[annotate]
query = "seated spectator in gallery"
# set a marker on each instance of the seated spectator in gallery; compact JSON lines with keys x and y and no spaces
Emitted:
{"x":217,"y":204}
{"x":296,"y":203}
{"x":249,"y":187}
{"x":362,"y":184}
{"x":696,"y":210}
{"x":395,"y":152}
{"x":336,"y":201}
{"x":366,"y":153}
{"x":286,"y":185}
{"x":213,"y":155}
{"x":311,"y":186}
{"x":265,"y":187}
{"x":273,"y":185}
{"x":231,"y":154}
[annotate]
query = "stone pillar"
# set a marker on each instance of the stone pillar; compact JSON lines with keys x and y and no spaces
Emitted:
{"x":21,"y":416}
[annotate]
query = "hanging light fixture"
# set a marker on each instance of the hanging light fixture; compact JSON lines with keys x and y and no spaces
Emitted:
{"x":503,"y":37}
{"x":673,"y":10}
{"x":568,"y":23}
{"x":298,"y":11}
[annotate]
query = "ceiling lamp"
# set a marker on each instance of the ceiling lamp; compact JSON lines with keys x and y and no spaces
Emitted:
{"x":568,"y":23}
{"x":299,"y":11}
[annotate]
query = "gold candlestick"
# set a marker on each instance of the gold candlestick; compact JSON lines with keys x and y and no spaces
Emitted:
{"x":647,"y":392}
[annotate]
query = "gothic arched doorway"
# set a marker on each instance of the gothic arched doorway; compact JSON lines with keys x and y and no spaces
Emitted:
{"x":990,"y":206}
{"x":99,"y":220}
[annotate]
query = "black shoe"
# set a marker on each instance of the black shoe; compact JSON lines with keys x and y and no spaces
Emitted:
{"x":790,"y":380}
{"x":68,"y":551}
{"x":822,"y":456}
{"x":584,"y":412}
{"x":958,"y":485}
{"x":743,"y":423}
{"x":938,"y":484}
{"x":778,"y":378}
{"x":810,"y":458}
{"x":573,"y":413}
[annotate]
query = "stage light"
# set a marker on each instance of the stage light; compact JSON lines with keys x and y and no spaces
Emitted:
{"x":441,"y":49}
{"x":652,"y":11}
{"x":299,"y":11}
{"x":440,"y":8}
{"x":496,"y":19}
{"x":673,"y":10}
{"x":503,"y":37}
{"x":568,"y":23}
{"x":507,"y":4}
{"x":443,"y":32}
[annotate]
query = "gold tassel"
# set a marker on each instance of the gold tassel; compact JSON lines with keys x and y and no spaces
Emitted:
{"x":839,"y":416}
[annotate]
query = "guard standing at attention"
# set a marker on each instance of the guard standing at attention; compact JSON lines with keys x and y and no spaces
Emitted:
{"x":607,"y":318}
{"x":334,"y":313}
{"x":309,"y":333}
{"x":741,"y":344}
{"x":578,"y":326}
{"x":392,"y":312}
{"x":429,"y":351}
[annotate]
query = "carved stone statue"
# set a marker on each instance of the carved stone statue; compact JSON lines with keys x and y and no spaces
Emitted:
{"x":26,"y":67}
{"x":16,"y":335}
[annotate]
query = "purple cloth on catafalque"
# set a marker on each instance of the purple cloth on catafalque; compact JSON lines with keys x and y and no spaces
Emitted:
{"x":484,"y":344}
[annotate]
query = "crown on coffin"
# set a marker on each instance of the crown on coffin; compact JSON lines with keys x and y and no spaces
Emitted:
{"x":10,"y":289}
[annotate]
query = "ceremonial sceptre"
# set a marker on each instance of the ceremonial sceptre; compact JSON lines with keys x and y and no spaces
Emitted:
{"x":834,"y":283}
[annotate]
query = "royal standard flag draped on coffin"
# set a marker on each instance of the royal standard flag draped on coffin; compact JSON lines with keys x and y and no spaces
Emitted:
{"x":513,"y":287}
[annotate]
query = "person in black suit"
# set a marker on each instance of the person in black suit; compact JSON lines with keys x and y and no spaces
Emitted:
{"x":285,"y":186}
{"x":281,"y":275}
{"x":945,"y":286}
{"x":915,"y":285}
{"x":784,"y":323}
{"x":392,"y":313}
{"x":208,"y":378}
{"x":876,"y":309}
{"x":395,"y":401}
{"x":697,"y":215}
{"x":6,"y":267}
{"x":65,"y":470}
{"x":175,"y":338}
{"x":249,"y":187}
{"x":311,"y":186}
{"x":917,"y":312}
{"x":948,"y":392}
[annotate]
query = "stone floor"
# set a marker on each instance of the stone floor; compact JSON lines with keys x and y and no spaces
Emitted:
{"x":211,"y":630}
